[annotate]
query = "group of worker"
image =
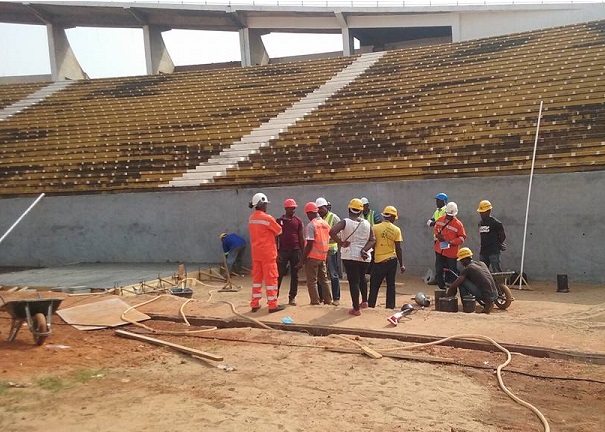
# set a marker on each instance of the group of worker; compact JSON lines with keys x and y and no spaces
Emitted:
{"x":366,"y":242}
{"x":475,"y":279}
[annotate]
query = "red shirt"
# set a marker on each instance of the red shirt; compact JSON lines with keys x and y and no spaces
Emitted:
{"x":290,"y":237}
{"x":263,"y":230}
{"x":453,"y":232}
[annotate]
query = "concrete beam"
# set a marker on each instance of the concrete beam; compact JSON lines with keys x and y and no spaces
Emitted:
{"x":63,"y":62}
{"x":157,"y":57}
{"x":252,"y":47}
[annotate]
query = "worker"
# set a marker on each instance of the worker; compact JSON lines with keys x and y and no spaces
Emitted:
{"x":290,"y":245}
{"x":369,"y":214}
{"x":263,"y":232}
{"x":374,"y":218}
{"x":474,"y":280}
{"x":492,"y":235}
{"x":387,"y":256}
{"x":333,"y":258}
{"x":440,"y":202}
{"x":317,"y":236}
{"x":355,"y":238}
{"x":234,"y":247}
{"x":449,"y":235}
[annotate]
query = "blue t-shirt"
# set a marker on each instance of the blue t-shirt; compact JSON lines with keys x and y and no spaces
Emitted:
{"x":231,"y":241}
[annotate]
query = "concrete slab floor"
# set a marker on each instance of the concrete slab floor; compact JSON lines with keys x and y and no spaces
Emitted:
{"x":94,"y":275}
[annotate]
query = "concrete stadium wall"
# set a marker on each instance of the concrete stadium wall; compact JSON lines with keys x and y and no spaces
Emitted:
{"x":564,"y":231}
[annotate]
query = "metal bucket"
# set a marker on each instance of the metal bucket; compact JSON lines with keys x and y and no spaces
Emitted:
{"x":439,"y":294}
{"x":448,"y":304}
{"x":469,"y":304}
{"x":562,"y":286}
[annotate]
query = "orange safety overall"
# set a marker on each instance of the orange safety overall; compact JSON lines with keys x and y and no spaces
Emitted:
{"x":263,"y":230}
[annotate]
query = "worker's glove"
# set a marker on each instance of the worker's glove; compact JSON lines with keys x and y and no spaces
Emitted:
{"x":430,"y":222}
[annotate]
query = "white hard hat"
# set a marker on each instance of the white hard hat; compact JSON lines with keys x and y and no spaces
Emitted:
{"x":451,"y":209}
{"x":365,"y":201}
{"x":259,"y":198}
{"x":321,"y":202}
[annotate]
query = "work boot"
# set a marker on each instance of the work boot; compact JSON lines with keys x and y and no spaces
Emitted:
{"x":255,"y":309}
{"x":336,"y":303}
{"x":487,"y":308}
{"x":277,"y":309}
{"x":292,"y":302}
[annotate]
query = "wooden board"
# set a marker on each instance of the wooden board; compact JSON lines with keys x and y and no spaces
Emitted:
{"x":100,"y":314}
{"x":180,"y":348}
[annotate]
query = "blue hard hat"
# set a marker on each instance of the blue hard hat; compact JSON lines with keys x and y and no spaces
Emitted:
{"x":441,"y":196}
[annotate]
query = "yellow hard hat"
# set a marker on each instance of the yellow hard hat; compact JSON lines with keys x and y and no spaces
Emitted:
{"x":484,"y":206}
{"x":389,"y":211}
{"x":356,"y":205}
{"x":222,"y":235}
{"x":464,"y":253}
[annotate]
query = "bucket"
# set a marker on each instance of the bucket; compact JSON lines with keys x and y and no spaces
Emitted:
{"x":562,"y":286}
{"x":468,"y":304}
{"x":448,"y":304}
{"x":438,"y":295}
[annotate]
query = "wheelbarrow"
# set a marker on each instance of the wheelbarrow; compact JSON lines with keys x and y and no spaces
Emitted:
{"x":36,"y":312}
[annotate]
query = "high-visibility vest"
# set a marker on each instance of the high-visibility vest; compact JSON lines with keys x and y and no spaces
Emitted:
{"x":370,"y":217}
{"x":438,"y":213}
{"x":319,"y":251}
{"x":332,"y":245}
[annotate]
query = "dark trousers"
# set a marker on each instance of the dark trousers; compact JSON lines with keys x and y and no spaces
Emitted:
{"x":381,"y":271}
{"x":289,"y":258}
{"x":356,"y":275}
{"x":441,"y":262}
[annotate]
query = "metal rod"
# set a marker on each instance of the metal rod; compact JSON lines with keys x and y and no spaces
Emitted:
{"x":21,"y":217}
{"x":531,"y":177}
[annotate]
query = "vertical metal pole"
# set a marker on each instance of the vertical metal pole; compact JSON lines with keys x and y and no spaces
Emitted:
{"x":531,"y":177}
{"x":21,"y":217}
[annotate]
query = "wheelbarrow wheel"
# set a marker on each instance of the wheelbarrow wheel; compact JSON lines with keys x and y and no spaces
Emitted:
{"x":39,"y":321}
{"x":505,"y":298}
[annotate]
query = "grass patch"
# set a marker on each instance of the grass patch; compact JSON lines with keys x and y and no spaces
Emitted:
{"x":3,"y":387}
{"x":85,"y":375}
{"x":51,"y":383}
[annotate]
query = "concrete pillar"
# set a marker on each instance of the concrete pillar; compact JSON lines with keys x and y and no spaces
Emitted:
{"x":157,"y":57}
{"x":252,"y":48}
{"x":348,"y":47}
{"x":63,"y":63}
{"x":456,"y":28}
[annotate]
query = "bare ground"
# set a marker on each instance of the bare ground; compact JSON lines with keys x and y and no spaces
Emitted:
{"x":285,"y":381}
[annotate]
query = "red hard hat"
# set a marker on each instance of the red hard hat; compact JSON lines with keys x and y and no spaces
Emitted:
{"x":311,"y":207}
{"x":290,"y":203}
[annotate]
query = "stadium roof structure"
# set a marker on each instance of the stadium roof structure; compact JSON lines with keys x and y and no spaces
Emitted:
{"x":376,"y":27}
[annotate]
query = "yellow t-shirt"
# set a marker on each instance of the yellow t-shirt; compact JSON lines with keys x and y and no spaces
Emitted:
{"x":386,"y":235}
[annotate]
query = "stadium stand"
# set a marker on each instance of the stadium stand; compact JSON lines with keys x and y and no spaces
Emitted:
{"x":463,"y":109}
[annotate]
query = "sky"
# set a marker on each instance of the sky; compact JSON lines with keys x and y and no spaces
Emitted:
{"x":119,"y":52}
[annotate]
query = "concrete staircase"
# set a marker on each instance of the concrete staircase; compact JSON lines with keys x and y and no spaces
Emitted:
{"x":249,"y":144}
{"x":33,"y":99}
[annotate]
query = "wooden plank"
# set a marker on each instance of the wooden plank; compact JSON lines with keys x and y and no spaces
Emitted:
{"x":397,"y":355}
{"x":180,"y":348}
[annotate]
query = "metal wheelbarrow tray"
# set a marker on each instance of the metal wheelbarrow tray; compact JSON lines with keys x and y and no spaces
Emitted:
{"x":36,"y":312}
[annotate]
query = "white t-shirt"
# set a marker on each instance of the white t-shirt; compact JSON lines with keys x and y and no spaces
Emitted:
{"x":357,"y":233}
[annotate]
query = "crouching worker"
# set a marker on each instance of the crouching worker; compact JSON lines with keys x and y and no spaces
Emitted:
{"x":474,"y":280}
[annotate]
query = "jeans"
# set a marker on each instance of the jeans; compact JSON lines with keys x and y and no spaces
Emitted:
{"x":292,"y":258}
{"x":493,"y":261}
{"x":441,"y":262}
{"x":356,"y":275}
{"x":234,"y":258}
{"x":385,"y":269}
{"x":333,"y":274}
{"x":467,"y":288}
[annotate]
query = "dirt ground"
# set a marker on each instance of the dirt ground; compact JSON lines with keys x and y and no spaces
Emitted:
{"x":285,"y":381}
